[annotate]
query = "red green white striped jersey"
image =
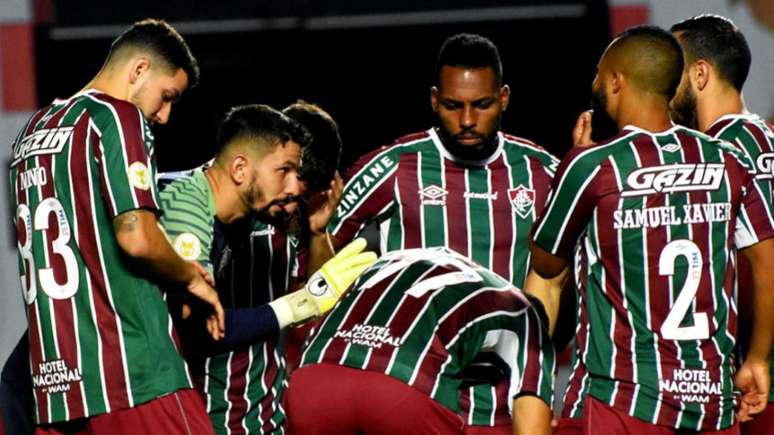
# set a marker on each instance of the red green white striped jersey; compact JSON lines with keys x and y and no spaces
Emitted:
{"x":660,"y":217}
{"x":100,"y":336}
{"x":242,"y":388}
{"x":578,"y":382}
{"x":422,"y":315}
{"x":424,"y":198}
{"x":755,"y":138}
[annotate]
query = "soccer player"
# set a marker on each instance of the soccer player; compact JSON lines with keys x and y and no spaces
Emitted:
{"x":659,"y":211}
{"x":710,"y":98}
{"x":390,"y":357}
{"x":91,"y":252}
{"x":462,"y":184}
{"x":254,"y":171}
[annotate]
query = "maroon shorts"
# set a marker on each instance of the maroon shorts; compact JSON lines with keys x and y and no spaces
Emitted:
{"x":601,"y":419}
{"x":332,"y":399}
{"x":489,"y":430}
{"x":569,"y":426}
{"x":181,"y":412}
{"x":762,"y":424}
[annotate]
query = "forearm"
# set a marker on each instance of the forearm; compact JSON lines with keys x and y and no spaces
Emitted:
{"x":531,"y":416}
{"x":549,"y":292}
{"x":143,"y":241}
{"x":245,"y":326}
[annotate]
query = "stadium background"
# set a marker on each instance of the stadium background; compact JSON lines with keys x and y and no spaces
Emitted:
{"x":370,"y":64}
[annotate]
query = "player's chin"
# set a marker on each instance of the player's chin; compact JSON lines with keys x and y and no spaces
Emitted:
{"x":287,"y":208}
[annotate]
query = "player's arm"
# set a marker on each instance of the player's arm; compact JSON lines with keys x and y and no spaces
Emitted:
{"x":140,"y":237}
{"x":531,"y":415}
{"x":549,"y":292}
{"x":753,"y":377}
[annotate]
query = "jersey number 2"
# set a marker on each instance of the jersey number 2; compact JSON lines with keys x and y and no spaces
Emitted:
{"x":58,"y":246}
{"x":671,"y":329}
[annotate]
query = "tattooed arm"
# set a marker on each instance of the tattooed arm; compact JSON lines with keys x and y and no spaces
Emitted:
{"x":141,"y":238}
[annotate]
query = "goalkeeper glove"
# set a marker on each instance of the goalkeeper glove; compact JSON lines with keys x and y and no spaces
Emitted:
{"x":325,"y":287}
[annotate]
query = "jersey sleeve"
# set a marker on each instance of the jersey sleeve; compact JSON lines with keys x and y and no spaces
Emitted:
{"x":755,"y":219}
{"x":571,"y":204}
{"x":368,"y":193}
{"x":187,"y":223}
{"x":530,"y":354}
{"x":124,"y":154}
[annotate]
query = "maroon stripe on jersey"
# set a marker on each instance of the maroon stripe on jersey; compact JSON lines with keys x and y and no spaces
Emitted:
{"x":760,"y":137}
{"x":502,"y":219}
{"x":531,"y":378}
{"x":408,"y":185}
{"x":360,"y":309}
{"x":456,"y":206}
{"x":279,"y":260}
{"x":36,"y":356}
{"x":270,"y":373}
{"x":112,"y":361}
{"x":399,"y":324}
{"x":237,"y":383}
{"x":718,"y":126}
{"x":35,"y":119}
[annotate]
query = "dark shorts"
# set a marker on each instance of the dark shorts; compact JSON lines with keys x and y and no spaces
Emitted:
{"x":762,"y":424}
{"x":332,"y":399}
{"x":601,"y":419}
{"x":178,"y":413}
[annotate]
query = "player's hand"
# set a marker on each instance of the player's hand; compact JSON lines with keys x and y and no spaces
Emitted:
{"x":752,"y":379}
{"x":326,"y":286}
{"x":319,"y":218}
{"x":581,"y":134}
{"x":216,"y":322}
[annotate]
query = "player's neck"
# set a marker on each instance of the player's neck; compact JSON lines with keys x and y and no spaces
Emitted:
{"x":228,"y":204}
{"x":106,"y":82}
{"x":647,"y":115}
{"x":719,"y":103}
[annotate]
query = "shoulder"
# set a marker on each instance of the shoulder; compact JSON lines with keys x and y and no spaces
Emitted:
{"x":519,"y":145}
{"x":103,"y":107}
{"x":182,"y":188}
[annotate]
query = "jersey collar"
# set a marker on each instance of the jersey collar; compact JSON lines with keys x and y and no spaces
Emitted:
{"x":734,"y":116}
{"x":442,"y":149}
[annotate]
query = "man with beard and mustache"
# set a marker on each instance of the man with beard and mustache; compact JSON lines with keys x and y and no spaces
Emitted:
{"x":710,"y":98}
{"x":231,"y":216}
{"x":462,"y":184}
{"x":657,"y":263}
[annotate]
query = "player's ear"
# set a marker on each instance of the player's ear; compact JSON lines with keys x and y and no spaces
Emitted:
{"x":699,"y":74}
{"x":505,"y":97}
{"x":616,"y":82}
{"x":140,"y":66}
{"x":239,"y":169}
{"x":434,"y":98}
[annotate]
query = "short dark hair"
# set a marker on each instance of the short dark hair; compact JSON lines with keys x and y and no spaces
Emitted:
{"x":469,"y":51}
{"x":321,"y":157}
{"x":258,"y":121}
{"x":161,"y":39}
{"x":717,"y":40}
{"x":652,"y":56}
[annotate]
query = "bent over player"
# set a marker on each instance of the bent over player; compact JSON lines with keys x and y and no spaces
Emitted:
{"x":659,"y":212}
{"x":390,"y":357}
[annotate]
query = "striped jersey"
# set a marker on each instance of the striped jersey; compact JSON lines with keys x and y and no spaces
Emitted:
{"x":755,"y":138}
{"x":578,"y":382}
{"x":252,"y":263}
{"x":100,"y":336}
{"x":422,"y":315}
{"x":660,"y":217}
{"x":425,"y":198}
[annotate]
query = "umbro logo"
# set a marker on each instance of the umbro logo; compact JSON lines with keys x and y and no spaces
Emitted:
{"x":433,"y":195}
{"x":670,"y":148}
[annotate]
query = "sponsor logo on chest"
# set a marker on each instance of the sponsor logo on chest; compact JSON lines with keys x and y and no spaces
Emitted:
{"x":433,"y":195}
{"x":674,"y":178}
{"x":764,"y":166}
{"x":370,"y":336}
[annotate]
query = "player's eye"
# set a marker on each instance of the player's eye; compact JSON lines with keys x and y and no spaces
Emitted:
{"x":485,"y":104}
{"x":451,"y":105}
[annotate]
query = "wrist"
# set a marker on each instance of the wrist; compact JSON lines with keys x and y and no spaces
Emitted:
{"x":283,"y":312}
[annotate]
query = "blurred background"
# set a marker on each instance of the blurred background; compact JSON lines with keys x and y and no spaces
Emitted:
{"x":370,"y":64}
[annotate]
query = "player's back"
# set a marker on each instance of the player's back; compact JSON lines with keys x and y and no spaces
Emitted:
{"x":421,"y":316}
{"x":76,"y":165}
{"x":667,"y":212}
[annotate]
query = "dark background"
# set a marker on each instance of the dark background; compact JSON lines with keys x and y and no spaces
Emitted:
{"x":373,"y":79}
